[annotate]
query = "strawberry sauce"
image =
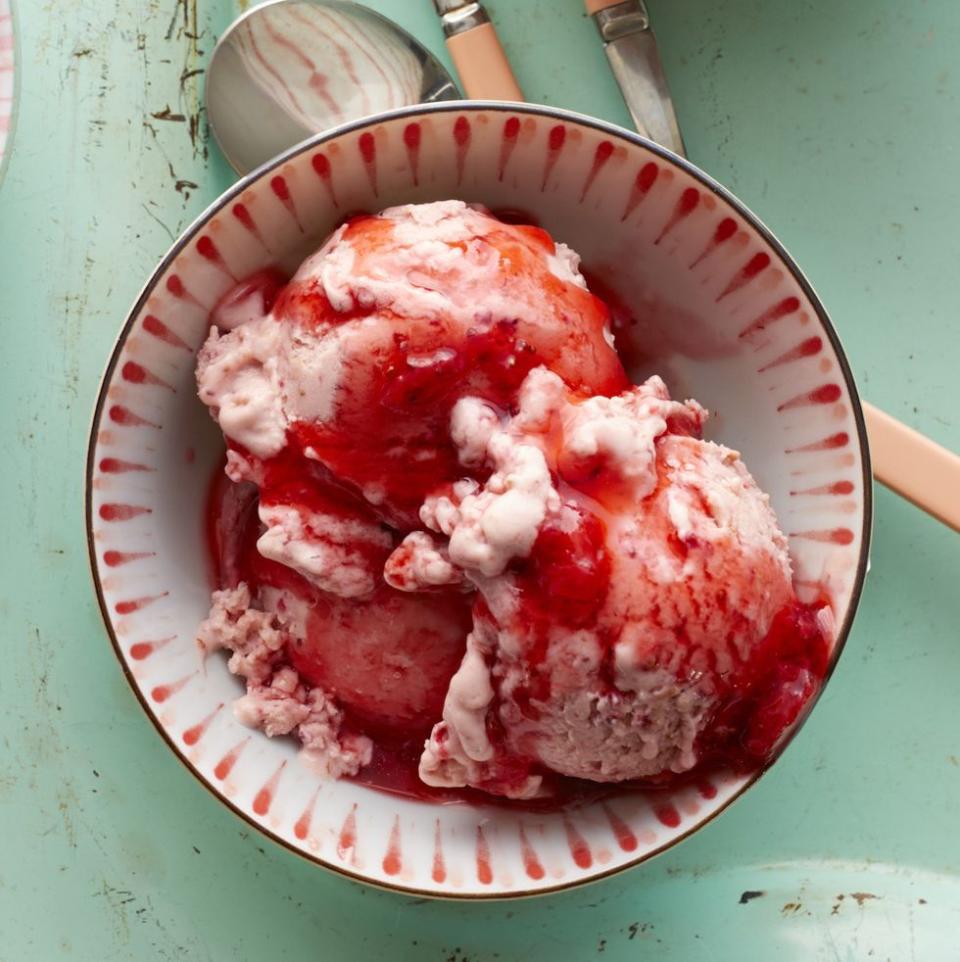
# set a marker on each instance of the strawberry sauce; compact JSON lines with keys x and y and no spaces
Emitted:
{"x":387,"y":656}
{"x":788,"y":669}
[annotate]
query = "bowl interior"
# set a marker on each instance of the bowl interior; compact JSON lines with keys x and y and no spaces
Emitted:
{"x":718,"y":311}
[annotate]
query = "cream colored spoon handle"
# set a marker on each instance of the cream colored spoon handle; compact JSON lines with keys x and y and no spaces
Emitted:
{"x":917,"y":468}
{"x":485,"y":72}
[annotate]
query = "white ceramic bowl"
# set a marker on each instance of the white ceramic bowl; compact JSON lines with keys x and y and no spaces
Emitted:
{"x":732,"y":322}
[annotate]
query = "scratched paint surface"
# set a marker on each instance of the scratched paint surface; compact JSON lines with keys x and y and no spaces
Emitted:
{"x":816,"y":114}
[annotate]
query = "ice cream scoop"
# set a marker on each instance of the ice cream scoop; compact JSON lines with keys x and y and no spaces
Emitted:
{"x":636,"y":613}
{"x":378,"y":334}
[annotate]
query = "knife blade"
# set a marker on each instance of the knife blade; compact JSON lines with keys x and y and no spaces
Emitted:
{"x":631,"y":49}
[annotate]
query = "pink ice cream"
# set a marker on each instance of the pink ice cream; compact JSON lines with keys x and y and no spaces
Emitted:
{"x":629,"y":576}
{"x":364,"y":353}
{"x":451,"y":521}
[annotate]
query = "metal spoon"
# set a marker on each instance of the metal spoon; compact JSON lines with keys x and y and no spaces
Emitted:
{"x":287,"y":69}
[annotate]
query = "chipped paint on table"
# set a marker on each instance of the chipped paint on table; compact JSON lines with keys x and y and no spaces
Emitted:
{"x":813,"y":114}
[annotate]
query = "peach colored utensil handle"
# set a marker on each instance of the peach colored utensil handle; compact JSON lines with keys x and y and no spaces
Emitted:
{"x":917,"y":468}
{"x":482,"y":65}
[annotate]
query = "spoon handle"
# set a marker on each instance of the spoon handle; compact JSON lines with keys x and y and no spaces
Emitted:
{"x":914,"y":466}
{"x":484,"y":70}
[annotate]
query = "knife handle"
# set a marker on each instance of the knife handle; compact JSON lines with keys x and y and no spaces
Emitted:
{"x":914,"y":466}
{"x":475,"y":48}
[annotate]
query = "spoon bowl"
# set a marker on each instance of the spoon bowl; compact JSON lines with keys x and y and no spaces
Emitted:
{"x":287,"y":69}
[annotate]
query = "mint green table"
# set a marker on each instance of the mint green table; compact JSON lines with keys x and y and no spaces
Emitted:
{"x":839,"y":123}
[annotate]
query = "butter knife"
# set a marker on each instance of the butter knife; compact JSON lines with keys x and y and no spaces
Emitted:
{"x":631,"y":48}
